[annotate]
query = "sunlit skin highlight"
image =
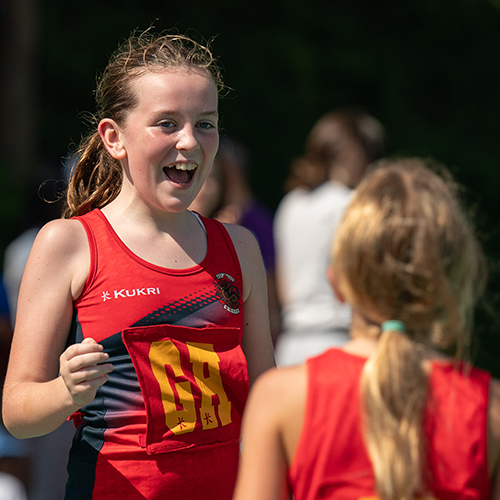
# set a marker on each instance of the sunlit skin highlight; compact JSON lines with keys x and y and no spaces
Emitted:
{"x":168,"y":142}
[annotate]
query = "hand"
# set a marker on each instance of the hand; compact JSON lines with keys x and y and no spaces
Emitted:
{"x":82,"y":371}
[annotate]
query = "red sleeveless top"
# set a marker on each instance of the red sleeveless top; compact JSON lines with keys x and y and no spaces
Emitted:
{"x":167,"y":422}
{"x":331,"y":461}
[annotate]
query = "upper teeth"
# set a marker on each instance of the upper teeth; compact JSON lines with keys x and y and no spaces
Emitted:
{"x":185,"y":166}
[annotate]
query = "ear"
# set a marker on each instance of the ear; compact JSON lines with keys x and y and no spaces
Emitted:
{"x":330,"y":274}
{"x":110,"y":135}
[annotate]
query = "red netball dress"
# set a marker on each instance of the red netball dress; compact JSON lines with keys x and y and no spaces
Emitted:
{"x":167,"y":422}
{"x":331,"y":461}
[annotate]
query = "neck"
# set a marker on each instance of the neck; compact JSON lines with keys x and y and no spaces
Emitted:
{"x":129,"y":211}
{"x":364,"y":336}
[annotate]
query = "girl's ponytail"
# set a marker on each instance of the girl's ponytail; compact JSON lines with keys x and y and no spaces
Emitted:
{"x":393,"y":393}
{"x":96,"y":180}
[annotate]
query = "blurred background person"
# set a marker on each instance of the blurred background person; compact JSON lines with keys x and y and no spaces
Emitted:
{"x":14,"y":453}
{"x":338,"y":150}
{"x":41,"y":460}
{"x":228,"y":197}
{"x":11,"y":488}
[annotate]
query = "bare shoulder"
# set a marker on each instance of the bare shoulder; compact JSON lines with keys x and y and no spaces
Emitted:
{"x":268,"y":434}
{"x":61,"y":249}
{"x":494,"y":435}
{"x":243,"y":239}
{"x":282,"y":387}
{"x":278,"y":402}
{"x":284,"y":378}
{"x":61,"y":238}
{"x":252,"y":267}
{"x":494,"y":404}
{"x":61,"y":233}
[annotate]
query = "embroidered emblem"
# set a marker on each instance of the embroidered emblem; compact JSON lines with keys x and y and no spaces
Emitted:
{"x":228,"y":292}
{"x":181,"y":423}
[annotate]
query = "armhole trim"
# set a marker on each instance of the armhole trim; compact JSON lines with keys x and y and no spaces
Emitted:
{"x":198,"y":217}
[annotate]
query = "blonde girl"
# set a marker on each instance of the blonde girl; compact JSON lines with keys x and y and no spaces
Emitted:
{"x":387,"y":415}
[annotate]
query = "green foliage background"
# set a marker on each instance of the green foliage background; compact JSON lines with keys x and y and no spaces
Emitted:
{"x":428,"y":69}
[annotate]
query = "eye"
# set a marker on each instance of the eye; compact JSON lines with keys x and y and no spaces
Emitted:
{"x":207,"y":125}
{"x":167,"y":124}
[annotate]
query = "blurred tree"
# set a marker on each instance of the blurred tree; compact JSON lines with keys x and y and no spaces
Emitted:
{"x":18,"y":136}
{"x":18,"y":36}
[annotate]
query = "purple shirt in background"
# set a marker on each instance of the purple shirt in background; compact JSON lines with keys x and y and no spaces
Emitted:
{"x":258,"y":218}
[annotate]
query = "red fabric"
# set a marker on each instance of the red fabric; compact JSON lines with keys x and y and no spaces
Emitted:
{"x":205,"y":474}
{"x":76,"y":418}
{"x":331,"y":461}
{"x":122,"y":288}
{"x":174,"y":339}
{"x":202,"y":375}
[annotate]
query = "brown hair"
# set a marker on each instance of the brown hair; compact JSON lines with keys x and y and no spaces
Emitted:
{"x":340,"y":146}
{"x":97,"y":177}
{"x":405,"y":251}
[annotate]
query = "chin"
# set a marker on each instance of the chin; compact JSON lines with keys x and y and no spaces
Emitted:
{"x":177,"y":207}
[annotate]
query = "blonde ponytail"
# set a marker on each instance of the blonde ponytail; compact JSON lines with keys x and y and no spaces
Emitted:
{"x":393,"y":392}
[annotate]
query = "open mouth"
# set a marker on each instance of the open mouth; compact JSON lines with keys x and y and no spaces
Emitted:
{"x":180,"y":173}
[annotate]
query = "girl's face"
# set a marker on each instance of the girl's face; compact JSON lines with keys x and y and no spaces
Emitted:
{"x":170,"y":138}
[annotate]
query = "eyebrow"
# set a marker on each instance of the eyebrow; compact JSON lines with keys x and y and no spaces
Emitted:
{"x":210,"y":113}
{"x":159,"y":114}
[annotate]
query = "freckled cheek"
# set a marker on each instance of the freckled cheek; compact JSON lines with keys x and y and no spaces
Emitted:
{"x":211,"y":146}
{"x":157,"y":155}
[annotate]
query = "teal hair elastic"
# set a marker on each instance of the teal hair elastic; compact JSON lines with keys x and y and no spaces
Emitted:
{"x":393,"y":325}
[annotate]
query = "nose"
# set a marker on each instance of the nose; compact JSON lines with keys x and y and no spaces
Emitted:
{"x":187,"y":138}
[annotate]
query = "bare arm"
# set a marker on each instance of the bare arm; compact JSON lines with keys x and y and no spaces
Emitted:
{"x":278,"y":230}
{"x":257,"y":343}
{"x":271,"y":428}
{"x":36,"y":399}
{"x":494,"y":438}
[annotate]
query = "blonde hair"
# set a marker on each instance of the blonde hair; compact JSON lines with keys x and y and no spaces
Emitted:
{"x":97,"y":177}
{"x":405,"y":251}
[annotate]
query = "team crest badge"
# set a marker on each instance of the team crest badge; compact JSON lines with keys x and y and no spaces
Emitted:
{"x":228,"y":292}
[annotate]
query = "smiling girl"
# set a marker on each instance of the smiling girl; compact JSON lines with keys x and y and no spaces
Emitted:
{"x":140,"y":320}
